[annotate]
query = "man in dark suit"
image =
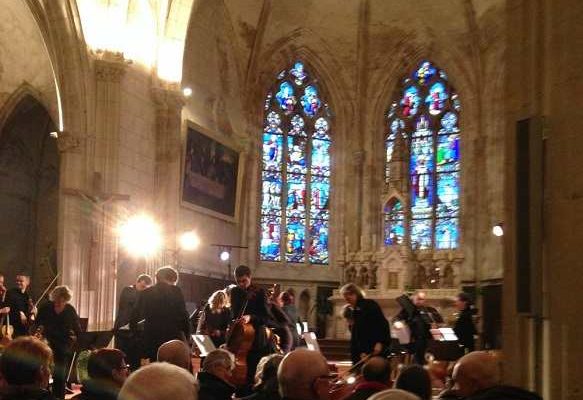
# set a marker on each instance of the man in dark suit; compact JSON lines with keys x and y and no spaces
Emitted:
{"x":124,"y":340}
{"x":164,"y":311}
{"x":22,"y":311}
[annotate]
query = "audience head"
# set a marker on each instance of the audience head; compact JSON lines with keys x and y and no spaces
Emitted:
{"x":474,"y":372}
{"x":159,"y":381}
{"x":219,"y":363}
{"x":393,"y":394}
{"x":22,"y":281}
{"x":352,"y":293}
{"x":303,"y":374}
{"x":218,"y":300}
{"x":419,"y":298}
{"x":61,"y":295}
{"x":108,"y":365}
{"x":143,"y":282}
{"x":243,"y":276}
{"x":175,"y":352}
{"x":267,"y":370}
{"x":167,"y":275}
{"x":27,"y":361}
{"x":1,"y":280}
{"x":377,"y":369}
{"x":415,"y":379}
{"x":462,"y":301}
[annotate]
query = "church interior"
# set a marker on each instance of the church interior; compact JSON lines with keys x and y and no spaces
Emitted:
{"x":397,"y":145}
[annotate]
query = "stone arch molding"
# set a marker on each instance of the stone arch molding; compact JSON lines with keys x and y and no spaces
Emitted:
{"x":24,"y":90}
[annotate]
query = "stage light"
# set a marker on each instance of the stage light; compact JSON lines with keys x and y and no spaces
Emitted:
{"x":189,"y":241}
{"x":498,"y":229}
{"x":350,"y":380}
{"x":140,"y":235}
{"x":225,"y":255}
{"x":187,"y":92}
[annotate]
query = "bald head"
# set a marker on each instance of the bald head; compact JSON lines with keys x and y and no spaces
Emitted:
{"x":298,"y":375}
{"x":476,"y":371}
{"x":377,"y":369}
{"x":175,"y":352}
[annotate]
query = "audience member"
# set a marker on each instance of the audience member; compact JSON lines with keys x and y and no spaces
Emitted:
{"x":175,"y":352}
{"x":159,"y":381}
{"x":415,"y":379}
{"x":303,"y":375}
{"x":25,"y":367}
{"x":477,"y":377}
{"x":376,"y":373}
{"x":108,"y":371}
{"x":266,"y":385}
{"x":393,"y":394}
{"x":213,"y":380}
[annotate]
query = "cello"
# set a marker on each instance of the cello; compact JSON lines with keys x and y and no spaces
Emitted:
{"x":239,"y":341}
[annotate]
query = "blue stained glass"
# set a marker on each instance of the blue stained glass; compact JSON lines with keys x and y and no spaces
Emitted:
{"x":310,"y":101}
{"x":397,"y":126}
{"x":270,"y":238}
{"x":322,"y":128}
{"x":422,"y":127}
{"x":421,"y":195}
{"x":296,"y":154}
{"x":393,"y":110}
{"x":286,"y":97}
{"x":424,"y":73}
{"x":448,"y":192}
{"x":320,"y":157}
{"x":318,"y":250}
{"x":320,"y":197}
{"x":298,"y":73}
{"x":447,"y":233}
{"x":449,"y":123}
{"x":448,"y":153}
{"x":389,"y":145}
{"x":272,"y":151}
{"x":271,"y":193}
{"x":421,"y":159}
{"x":436,"y":98}
{"x":296,"y":193}
{"x":421,"y":233}
{"x":456,"y":102}
{"x":394,"y":224}
{"x":281,"y":75}
{"x":410,"y":102}
{"x":295,"y":239}
{"x":268,"y":100}
{"x":297,"y":126}
{"x":273,"y":120}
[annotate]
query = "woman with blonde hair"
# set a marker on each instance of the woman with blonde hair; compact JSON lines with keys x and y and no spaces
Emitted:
{"x":57,"y":321}
{"x":215,"y":318}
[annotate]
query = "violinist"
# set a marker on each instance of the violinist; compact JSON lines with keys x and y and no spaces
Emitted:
{"x":4,"y":309}
{"x":58,"y":323}
{"x":249,"y":303}
{"x":22,"y":310}
{"x":370,"y":333}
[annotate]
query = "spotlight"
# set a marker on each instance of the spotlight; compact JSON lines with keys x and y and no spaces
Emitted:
{"x":189,"y":241}
{"x":498,"y":229}
{"x":140,"y":236}
{"x":225,"y":255}
{"x":350,"y":380}
{"x":187,"y":92}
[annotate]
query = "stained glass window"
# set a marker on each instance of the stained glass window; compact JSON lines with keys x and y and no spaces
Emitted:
{"x":295,"y":171}
{"x":426,"y":113}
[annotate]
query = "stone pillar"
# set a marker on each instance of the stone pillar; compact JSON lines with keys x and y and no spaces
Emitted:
{"x":355,"y":238}
{"x":169,"y":102}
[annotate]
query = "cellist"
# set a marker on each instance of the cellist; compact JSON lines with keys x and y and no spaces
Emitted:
{"x":249,"y":303}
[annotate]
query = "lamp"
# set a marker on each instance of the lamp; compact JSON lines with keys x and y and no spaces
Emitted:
{"x":498,"y":229}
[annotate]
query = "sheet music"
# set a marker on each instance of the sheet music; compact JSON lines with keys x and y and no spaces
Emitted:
{"x":311,"y":341}
{"x":204,"y":344}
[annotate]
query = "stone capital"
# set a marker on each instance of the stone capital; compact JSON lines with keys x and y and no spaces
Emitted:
{"x":110,"y":66}
{"x":168,"y":97}
{"x":68,"y":142}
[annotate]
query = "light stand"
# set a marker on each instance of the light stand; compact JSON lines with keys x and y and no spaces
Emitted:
{"x":225,"y":251}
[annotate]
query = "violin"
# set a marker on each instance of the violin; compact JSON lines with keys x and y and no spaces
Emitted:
{"x":6,"y":330}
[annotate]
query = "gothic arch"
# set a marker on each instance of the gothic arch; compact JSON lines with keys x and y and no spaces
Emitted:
{"x":12,"y":102}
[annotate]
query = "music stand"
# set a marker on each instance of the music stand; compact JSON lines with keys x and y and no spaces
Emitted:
{"x":204,"y":344}
{"x":88,"y":341}
{"x":311,"y":341}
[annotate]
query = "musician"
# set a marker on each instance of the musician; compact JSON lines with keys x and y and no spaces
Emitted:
{"x":215,"y":318}
{"x":124,"y":340}
{"x":249,"y":302}
{"x":22,"y":310}
{"x":4,"y":309}
{"x":420,"y":319}
{"x":58,"y":323}
{"x":164,"y":310}
{"x":370,"y":333}
{"x":464,"y":327}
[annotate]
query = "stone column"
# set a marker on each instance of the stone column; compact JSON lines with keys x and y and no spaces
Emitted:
{"x":169,"y":102}
{"x":355,"y":238}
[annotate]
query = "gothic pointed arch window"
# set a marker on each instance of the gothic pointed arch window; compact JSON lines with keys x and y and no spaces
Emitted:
{"x":295,"y":171}
{"x":426,"y":113}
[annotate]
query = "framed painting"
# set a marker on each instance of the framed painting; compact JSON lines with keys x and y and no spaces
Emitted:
{"x":211,"y":174}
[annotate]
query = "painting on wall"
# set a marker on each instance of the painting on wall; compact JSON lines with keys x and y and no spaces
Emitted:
{"x":211,"y":175}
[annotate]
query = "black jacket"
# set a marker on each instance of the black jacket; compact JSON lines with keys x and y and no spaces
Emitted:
{"x":370,"y":327}
{"x":127,"y":301}
{"x":163,"y":308}
{"x":213,"y":388}
{"x":61,"y":330}
{"x":21,"y":393}
{"x":504,"y":393}
{"x":18,"y":301}
{"x":97,"y":390}
{"x":253,"y":302}
{"x":210,"y":322}
{"x":465,"y":330}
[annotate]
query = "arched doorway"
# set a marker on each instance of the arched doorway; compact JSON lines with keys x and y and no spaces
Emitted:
{"x":29,"y":194}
